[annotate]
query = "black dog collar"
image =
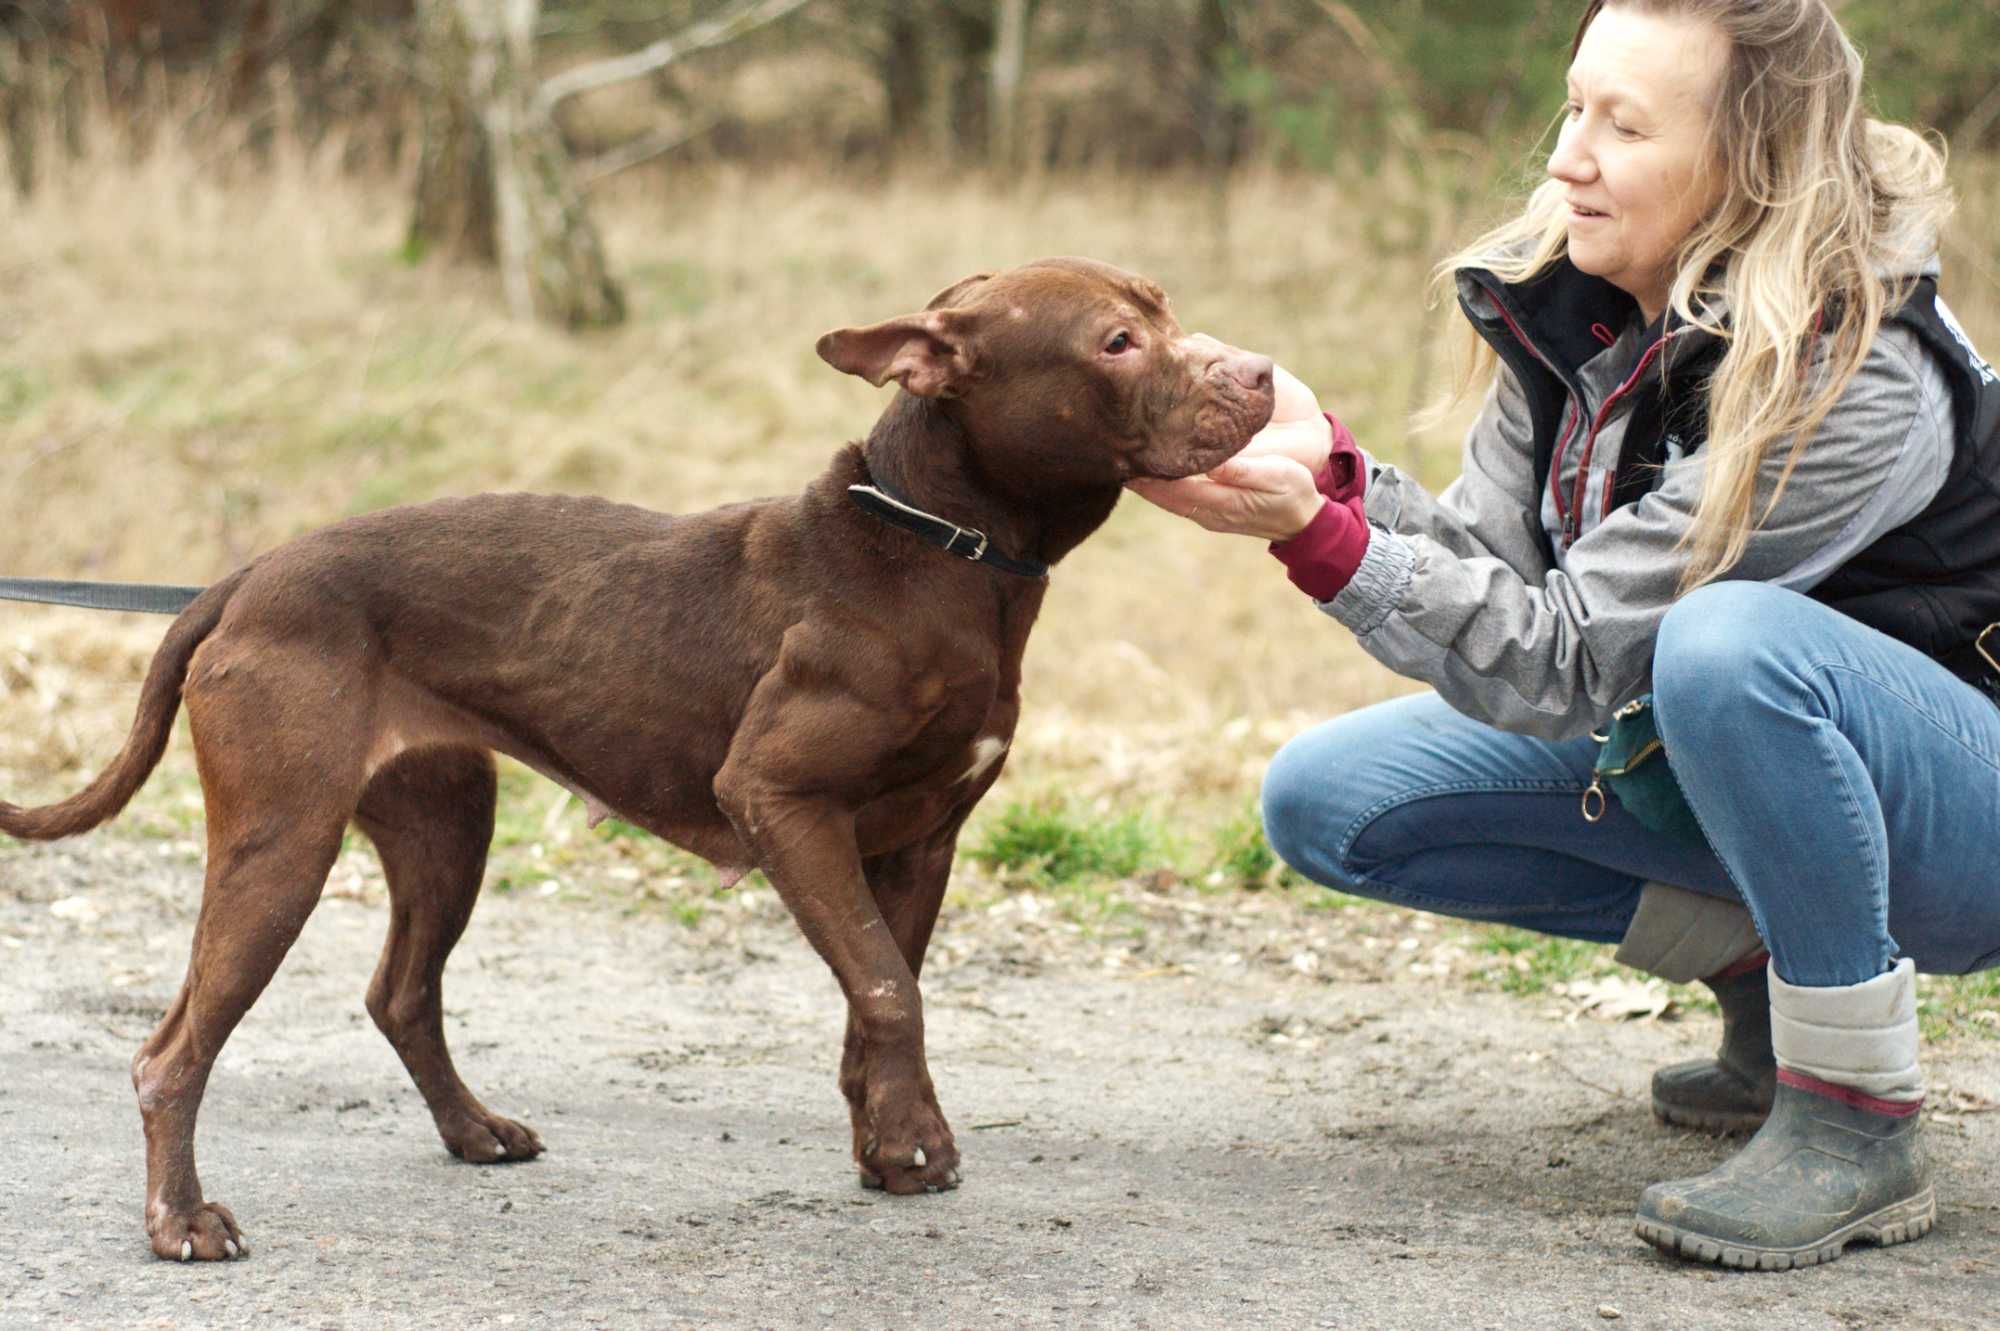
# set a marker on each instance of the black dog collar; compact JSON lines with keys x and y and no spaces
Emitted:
{"x":964,"y":542}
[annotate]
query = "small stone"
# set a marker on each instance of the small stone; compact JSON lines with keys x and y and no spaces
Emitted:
{"x":1608,"y":1313}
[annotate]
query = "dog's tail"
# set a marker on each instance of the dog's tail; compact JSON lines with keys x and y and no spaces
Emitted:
{"x":159,"y":699}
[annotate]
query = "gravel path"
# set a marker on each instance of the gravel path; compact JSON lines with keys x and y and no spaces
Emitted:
{"x":1212,"y":1129}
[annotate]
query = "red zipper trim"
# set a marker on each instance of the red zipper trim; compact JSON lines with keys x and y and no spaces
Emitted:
{"x":1571,"y":413}
{"x":1590,"y":440}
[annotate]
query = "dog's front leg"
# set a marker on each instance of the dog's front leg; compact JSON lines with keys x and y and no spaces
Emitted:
{"x":908,"y":886}
{"x":807,"y":849}
{"x":784,"y":786}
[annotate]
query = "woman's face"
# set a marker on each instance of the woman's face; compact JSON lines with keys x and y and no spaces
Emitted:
{"x":1634,"y":155}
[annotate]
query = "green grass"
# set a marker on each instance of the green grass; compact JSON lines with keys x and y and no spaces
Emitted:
{"x":1243,"y":859}
{"x":21,"y":391}
{"x":1049,"y":843}
{"x":669,"y":289}
{"x":1526,"y":964}
{"x":1958,"y":1005}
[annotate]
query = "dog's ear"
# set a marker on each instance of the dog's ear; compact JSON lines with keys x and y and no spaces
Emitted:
{"x":929,"y":354}
{"x":956,"y":293}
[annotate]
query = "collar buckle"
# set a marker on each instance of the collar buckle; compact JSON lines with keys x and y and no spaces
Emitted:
{"x":978,"y":551}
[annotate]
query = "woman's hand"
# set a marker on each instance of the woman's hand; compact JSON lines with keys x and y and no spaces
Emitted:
{"x":1268,"y":488}
{"x":1271,"y":496}
{"x":1297,"y":430}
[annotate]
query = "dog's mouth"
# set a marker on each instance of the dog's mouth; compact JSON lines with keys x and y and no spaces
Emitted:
{"x":1224,"y":421}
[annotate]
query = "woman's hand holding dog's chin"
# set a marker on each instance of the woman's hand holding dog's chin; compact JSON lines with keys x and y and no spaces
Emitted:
{"x":1306,"y":442}
{"x":1269,"y":495}
{"x":1298,"y":429}
{"x":1291,"y":400}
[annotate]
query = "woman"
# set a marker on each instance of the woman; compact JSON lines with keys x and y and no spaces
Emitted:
{"x":1737,"y":454}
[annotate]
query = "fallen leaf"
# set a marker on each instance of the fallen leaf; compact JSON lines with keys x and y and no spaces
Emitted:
{"x":1615,"y":998}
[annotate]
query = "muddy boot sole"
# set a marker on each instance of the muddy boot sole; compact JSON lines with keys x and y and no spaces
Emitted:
{"x":1897,"y":1223}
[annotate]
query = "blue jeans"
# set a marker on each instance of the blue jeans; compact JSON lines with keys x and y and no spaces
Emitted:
{"x":1848,"y":785}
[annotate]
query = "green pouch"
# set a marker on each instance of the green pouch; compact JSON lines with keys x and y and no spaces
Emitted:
{"x":1632,"y":764}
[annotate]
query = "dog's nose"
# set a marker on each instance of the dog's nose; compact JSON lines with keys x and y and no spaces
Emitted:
{"x":1253,"y":372}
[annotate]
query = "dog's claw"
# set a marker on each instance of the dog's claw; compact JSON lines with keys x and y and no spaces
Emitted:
{"x":229,"y":1246}
{"x":951,"y":1178}
{"x":187,"y":1250}
{"x":918,"y":1160}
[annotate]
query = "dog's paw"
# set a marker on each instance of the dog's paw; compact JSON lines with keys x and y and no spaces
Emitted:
{"x":485,"y":1138}
{"x":917,"y":1170}
{"x":206,"y":1234}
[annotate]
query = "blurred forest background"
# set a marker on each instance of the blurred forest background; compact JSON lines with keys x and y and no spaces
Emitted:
{"x":1125,"y":84}
{"x":550,"y":98}
{"x":267,"y":263}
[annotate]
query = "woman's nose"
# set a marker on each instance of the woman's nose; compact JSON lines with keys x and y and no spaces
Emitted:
{"x":1570,"y":162}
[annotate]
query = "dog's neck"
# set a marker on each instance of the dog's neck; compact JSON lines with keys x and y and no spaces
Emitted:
{"x":919,"y":452}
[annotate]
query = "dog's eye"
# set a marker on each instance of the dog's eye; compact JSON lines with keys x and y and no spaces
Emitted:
{"x":1122,"y":342}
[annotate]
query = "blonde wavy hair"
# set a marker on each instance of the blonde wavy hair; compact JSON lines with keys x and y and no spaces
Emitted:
{"x":1820,"y":204}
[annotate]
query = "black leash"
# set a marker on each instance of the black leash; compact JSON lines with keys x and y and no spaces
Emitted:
{"x":965,"y":542}
{"x":159,"y":599}
{"x":148,"y":598}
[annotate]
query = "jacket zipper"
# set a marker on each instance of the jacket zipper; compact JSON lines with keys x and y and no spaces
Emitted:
{"x":1571,"y":414}
{"x":1590,"y":441}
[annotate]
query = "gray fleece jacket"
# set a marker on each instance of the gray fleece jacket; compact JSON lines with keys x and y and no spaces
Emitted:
{"x":1458,"y":590}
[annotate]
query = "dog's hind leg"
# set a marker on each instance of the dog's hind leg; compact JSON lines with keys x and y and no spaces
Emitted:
{"x":430,"y":815}
{"x":273,"y":832}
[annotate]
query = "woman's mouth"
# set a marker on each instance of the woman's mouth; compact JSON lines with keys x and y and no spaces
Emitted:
{"x":1580,"y":213}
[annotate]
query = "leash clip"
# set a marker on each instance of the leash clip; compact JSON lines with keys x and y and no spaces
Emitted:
{"x":1979,"y":644}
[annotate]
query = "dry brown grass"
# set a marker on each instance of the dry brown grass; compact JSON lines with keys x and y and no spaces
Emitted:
{"x":194,"y":367}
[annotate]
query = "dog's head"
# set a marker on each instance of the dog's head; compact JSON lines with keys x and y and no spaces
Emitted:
{"x":1071,"y":367}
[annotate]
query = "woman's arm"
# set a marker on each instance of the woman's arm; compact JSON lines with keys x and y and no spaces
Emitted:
{"x":1455,"y":589}
{"x":1553,"y":655}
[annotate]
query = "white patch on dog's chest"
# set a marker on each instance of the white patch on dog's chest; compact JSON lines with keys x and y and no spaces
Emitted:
{"x":985,"y":753}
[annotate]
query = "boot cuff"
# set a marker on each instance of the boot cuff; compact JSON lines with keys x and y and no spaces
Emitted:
{"x":1680,"y":935}
{"x":1860,"y":1036}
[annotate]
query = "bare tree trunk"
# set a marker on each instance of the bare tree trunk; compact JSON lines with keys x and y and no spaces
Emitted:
{"x":453,"y":215}
{"x":967,"y":29}
{"x":19,"y":100}
{"x":906,"y":82}
{"x":1010,"y":49}
{"x":495,"y":181}
{"x":1218,"y":123}
{"x":551,"y":260}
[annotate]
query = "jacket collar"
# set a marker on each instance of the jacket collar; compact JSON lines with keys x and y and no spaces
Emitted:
{"x":1554,"y":313}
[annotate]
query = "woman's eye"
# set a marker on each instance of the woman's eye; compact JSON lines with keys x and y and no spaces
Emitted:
{"x":1122,"y":342}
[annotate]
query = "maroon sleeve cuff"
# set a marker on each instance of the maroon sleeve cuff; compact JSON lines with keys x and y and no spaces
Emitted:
{"x":1345,"y":475}
{"x":1321,"y":559}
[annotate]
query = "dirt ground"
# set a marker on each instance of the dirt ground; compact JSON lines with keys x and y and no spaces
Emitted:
{"x":1258,"y":1116}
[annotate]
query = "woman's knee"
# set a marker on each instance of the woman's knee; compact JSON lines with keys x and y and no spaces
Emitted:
{"x":1302,"y":806}
{"x":1325,"y":785}
{"x":1727,"y":641}
{"x":1320,"y":787}
{"x":1711,"y":629}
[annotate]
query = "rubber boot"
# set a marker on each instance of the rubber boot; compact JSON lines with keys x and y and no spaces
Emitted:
{"x":1685,"y":936}
{"x":1731,"y":1092}
{"x":1840,"y":1159}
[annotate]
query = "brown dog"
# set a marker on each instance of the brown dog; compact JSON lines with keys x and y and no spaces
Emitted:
{"x":792,"y":684}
